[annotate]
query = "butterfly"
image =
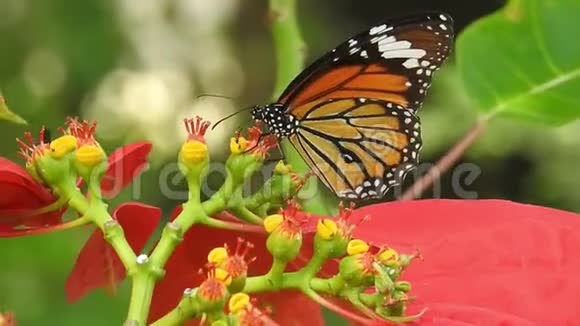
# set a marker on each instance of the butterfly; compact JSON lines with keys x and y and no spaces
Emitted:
{"x":351,"y":114}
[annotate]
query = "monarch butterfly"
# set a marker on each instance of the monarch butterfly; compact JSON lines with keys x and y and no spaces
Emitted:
{"x":351,"y":114}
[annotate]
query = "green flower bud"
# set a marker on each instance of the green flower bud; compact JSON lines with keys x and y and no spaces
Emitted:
{"x":285,"y":231}
{"x":212,"y":293}
{"x":357,"y":270}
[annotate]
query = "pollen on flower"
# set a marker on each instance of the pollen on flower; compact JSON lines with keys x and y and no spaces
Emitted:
{"x":193,"y":151}
{"x":388,"y":255}
{"x":62,"y":146}
{"x":326,"y":229}
{"x":356,"y":247}
{"x":238,"y":302}
{"x":217,"y":255}
{"x":272,"y":222}
{"x":90,"y":155}
{"x":29,"y":149}
{"x":196,"y":128}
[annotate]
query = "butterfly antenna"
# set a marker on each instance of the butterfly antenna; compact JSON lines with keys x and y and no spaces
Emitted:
{"x":229,"y":116}
{"x":215,"y":96}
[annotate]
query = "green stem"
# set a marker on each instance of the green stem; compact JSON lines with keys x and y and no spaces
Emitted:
{"x":332,"y":285}
{"x":276,"y":273}
{"x":141,"y":295}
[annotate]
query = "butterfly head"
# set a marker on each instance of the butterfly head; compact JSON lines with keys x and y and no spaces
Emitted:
{"x":280,"y":123}
{"x":258,"y":112}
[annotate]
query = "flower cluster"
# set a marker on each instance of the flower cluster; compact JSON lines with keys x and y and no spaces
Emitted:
{"x":284,"y":259}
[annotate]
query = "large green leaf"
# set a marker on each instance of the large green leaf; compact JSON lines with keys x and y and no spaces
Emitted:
{"x":6,"y":114}
{"x":524,"y":61}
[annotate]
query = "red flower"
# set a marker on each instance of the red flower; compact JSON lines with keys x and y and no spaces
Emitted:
{"x":97,"y":265}
{"x":486,"y":262}
{"x":24,"y":206}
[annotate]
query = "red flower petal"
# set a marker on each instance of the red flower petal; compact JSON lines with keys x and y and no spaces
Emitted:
{"x":22,"y":194}
{"x":191,"y":255}
{"x":125,"y":164}
{"x":97,"y":265}
{"x":487,"y":262}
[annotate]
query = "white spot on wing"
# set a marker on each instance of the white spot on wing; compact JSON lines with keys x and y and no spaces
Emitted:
{"x":378,"y":29}
{"x":411,"y":63}
{"x":404,"y":53}
{"x":443,"y":18}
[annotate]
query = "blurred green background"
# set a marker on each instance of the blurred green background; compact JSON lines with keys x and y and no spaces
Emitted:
{"x":137,"y":67}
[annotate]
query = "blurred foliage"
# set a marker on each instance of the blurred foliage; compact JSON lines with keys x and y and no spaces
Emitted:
{"x":137,"y":66}
{"x":528,"y":70}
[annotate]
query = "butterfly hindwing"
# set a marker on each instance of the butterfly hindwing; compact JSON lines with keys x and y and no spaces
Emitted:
{"x":359,"y":147}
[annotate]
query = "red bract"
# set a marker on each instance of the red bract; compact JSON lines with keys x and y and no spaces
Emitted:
{"x":191,"y":255}
{"x":486,"y":262}
{"x":22,"y":196}
{"x":125,"y":164}
{"x":97,"y":265}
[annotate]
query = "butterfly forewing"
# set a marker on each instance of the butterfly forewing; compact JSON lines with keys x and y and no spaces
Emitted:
{"x":393,"y":61}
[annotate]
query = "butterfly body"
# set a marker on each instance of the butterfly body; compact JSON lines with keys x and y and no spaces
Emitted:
{"x":351,"y":114}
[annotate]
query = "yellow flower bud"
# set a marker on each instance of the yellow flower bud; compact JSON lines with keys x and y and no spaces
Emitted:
{"x":238,"y":302}
{"x":193,"y":151}
{"x":389,"y":255}
{"x":356,"y":247}
{"x":326,"y":229}
{"x":282,"y":168}
{"x":62,"y":146}
{"x":217,"y":255}
{"x":223,"y":276}
{"x":272,"y":222}
{"x":90,"y":155}
{"x":238,"y":145}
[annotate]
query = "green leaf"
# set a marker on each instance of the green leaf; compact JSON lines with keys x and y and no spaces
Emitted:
{"x":524,"y":61}
{"x":6,"y":114}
